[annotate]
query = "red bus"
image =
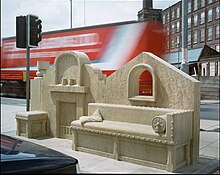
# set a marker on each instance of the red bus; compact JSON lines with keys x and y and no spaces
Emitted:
{"x":110,"y":46}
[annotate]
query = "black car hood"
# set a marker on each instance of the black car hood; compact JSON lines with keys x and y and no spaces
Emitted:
{"x":22,"y":157}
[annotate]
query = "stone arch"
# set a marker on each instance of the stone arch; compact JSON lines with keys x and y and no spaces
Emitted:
{"x":68,"y":66}
{"x":133,"y":82}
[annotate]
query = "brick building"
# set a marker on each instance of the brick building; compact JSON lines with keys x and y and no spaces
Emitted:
{"x":203,"y":37}
{"x":203,"y":24}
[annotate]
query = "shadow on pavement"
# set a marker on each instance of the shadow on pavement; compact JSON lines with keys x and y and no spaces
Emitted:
{"x":206,"y":165}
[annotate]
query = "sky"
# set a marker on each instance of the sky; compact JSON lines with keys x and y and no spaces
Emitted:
{"x":55,"y":14}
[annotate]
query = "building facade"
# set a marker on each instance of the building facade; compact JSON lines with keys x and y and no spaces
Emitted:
{"x":203,"y":25}
{"x":203,"y":30}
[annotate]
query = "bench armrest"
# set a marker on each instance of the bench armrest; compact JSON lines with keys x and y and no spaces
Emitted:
{"x":176,"y":126}
{"x":179,"y":126}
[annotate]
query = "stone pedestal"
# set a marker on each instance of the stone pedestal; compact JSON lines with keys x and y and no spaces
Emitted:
{"x":31,"y":124}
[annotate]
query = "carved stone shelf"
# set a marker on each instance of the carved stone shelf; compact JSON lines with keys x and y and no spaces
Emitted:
{"x":143,"y":98}
{"x":68,"y":88}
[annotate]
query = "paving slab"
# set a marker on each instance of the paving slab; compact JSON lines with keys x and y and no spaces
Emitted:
{"x":209,"y":124}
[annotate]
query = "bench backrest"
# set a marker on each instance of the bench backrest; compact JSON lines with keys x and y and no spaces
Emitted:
{"x":130,"y":114}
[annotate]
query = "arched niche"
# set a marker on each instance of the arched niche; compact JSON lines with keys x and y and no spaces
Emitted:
{"x":146,"y":84}
{"x":68,"y":67}
{"x":134,"y":83}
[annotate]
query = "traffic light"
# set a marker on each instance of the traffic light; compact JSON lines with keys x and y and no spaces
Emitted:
{"x":21,"y":31}
{"x":35,"y":30}
{"x":28,"y":27}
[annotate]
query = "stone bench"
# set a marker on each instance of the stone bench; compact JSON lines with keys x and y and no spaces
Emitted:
{"x":31,"y":123}
{"x":155,"y":137}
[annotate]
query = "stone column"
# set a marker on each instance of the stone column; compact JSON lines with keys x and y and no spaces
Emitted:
{"x":199,"y":69}
{"x":208,"y":69}
{"x":36,"y":86}
{"x":42,"y":67}
{"x":216,"y":68}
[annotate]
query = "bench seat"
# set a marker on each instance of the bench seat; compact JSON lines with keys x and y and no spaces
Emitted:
{"x":128,"y":133}
{"x":136,"y":131}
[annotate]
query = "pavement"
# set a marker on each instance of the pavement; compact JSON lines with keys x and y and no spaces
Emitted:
{"x":89,"y":163}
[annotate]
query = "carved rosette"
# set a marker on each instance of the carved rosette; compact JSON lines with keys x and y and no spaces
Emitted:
{"x":158,"y":124}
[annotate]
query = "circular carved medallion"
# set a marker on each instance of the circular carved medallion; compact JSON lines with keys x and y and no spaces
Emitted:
{"x":158,"y":124}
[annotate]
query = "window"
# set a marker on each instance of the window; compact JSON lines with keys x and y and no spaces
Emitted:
{"x":177,"y":41}
{"x":202,"y":3}
{"x":172,"y":15}
{"x":210,"y":1}
{"x":189,"y":6}
{"x":217,"y":12}
{"x":217,"y":31}
{"x":195,"y":37}
{"x":209,"y":15}
{"x":172,"y":27}
{"x":195,"y":5}
{"x":168,"y":43}
{"x":217,"y":48}
{"x":164,"y":19}
{"x":202,"y":34}
{"x":168,"y":17}
{"x":210,"y":33}
{"x":217,"y":63}
{"x":172,"y":43}
{"x":178,"y":12}
{"x":168,"y":29}
{"x":189,"y":39}
{"x":204,"y":69}
{"x":189,"y":22}
{"x":178,"y":26}
{"x":202,"y":18}
{"x":195,"y":20}
{"x":212,"y":68}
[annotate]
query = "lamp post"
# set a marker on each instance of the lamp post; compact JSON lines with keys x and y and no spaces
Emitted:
{"x":178,"y":46}
{"x":84,"y":12}
{"x":184,"y":64}
{"x":71,"y":14}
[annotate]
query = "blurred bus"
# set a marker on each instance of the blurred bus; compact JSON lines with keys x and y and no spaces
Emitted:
{"x":109,"y":46}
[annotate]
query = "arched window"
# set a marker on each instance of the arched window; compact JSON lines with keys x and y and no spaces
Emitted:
{"x":145,"y":83}
{"x":141,"y":83}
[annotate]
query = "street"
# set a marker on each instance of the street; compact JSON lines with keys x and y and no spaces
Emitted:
{"x":209,"y":111}
{"x":9,"y":108}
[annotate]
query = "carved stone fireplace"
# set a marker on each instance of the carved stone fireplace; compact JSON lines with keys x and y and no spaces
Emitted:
{"x":68,"y":93}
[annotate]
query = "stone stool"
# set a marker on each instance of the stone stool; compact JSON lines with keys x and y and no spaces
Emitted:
{"x":31,"y":124}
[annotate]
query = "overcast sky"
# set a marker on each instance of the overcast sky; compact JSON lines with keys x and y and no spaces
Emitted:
{"x":55,"y":14}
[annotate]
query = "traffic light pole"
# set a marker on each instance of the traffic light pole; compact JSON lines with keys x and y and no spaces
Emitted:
{"x":28,"y":79}
{"x":28,"y":63}
{"x":28,"y":35}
